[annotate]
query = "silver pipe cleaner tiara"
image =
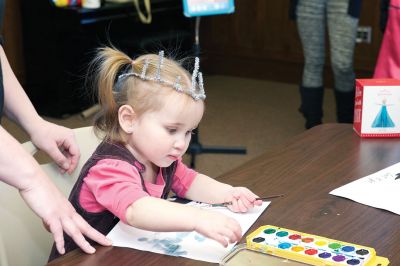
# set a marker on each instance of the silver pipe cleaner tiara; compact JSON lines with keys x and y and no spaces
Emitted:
{"x":197,"y":78}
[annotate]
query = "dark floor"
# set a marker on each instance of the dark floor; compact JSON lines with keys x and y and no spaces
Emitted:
{"x":255,"y":114}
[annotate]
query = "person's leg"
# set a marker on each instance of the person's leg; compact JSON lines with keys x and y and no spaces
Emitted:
{"x":311,"y":28}
{"x":342,"y":29}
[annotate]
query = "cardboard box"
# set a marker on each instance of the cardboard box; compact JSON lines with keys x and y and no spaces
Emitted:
{"x":377,"y":108}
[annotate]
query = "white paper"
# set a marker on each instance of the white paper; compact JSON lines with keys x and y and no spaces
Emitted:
{"x":379,"y":190}
{"x":184,"y":244}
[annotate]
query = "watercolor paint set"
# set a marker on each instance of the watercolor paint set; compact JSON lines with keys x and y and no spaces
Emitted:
{"x":376,"y":106}
{"x":272,"y":245}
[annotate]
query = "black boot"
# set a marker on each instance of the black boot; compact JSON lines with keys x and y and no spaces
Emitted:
{"x":344,"y":106}
{"x":311,"y":105}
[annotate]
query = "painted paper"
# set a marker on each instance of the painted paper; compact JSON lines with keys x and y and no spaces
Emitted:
{"x":184,"y":244}
{"x":379,"y":190}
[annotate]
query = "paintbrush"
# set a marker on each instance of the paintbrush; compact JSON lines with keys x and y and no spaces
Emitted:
{"x":224,"y":204}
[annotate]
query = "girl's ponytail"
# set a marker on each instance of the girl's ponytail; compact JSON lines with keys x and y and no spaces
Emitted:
{"x":105,"y":68}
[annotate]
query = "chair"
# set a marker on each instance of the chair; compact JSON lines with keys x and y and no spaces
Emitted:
{"x":3,"y":257}
{"x":25,"y":240}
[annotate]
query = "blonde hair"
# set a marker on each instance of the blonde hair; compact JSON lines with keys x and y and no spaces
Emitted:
{"x":142,"y":95}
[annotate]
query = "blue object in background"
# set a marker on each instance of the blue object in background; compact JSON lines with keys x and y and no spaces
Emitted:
{"x":196,"y":8}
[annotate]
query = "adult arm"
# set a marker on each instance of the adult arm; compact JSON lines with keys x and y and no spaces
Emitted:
{"x":19,"y":169}
{"x":57,"y":141}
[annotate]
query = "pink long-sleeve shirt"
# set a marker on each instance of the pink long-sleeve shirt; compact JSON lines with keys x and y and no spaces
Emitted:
{"x":114,"y":185}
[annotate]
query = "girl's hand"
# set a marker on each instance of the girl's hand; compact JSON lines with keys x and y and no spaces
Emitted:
{"x":217,"y":226}
{"x":242,"y":199}
{"x":59,"y":143}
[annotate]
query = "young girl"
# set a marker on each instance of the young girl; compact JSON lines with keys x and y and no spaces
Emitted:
{"x":149,"y":108}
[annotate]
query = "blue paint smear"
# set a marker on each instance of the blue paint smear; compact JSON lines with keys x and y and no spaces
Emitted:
{"x":171,"y":246}
{"x":166,"y":246}
{"x":199,"y":237}
{"x":182,"y":235}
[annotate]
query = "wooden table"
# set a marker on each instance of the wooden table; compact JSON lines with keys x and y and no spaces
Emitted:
{"x":306,"y":169}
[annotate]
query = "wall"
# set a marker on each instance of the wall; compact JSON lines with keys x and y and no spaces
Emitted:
{"x":260,"y":41}
{"x":257,"y":41}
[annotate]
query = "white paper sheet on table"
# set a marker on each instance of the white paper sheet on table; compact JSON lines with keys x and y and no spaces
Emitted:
{"x":184,"y":244}
{"x":379,"y":190}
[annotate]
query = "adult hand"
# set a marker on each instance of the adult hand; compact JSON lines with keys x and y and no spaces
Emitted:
{"x":58,"y":215}
{"x":58,"y":142}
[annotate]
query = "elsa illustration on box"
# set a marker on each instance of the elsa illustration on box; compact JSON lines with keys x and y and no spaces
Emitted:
{"x":383,"y":119}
